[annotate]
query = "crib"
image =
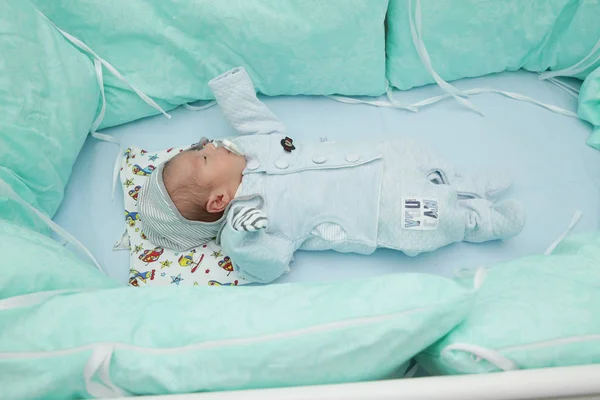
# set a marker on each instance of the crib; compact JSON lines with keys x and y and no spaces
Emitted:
{"x":95,"y":95}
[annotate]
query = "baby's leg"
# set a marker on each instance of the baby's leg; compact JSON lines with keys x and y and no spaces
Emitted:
{"x":486,"y":185}
{"x":425,"y":217}
{"x":409,"y":154}
{"x":417,"y":216}
{"x":483,"y":185}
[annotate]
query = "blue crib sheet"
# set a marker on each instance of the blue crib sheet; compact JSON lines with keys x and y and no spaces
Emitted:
{"x":555,"y":172}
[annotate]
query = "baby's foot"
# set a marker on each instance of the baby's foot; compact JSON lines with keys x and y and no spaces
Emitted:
{"x":488,"y":221}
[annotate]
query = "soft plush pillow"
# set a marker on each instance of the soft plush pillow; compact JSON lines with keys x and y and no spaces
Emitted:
{"x":32,"y":262}
{"x":156,"y":266}
{"x":48,"y":98}
{"x":178,"y":340}
{"x":170,"y":49}
{"x":589,"y":105}
{"x":471,"y":38}
{"x":535,"y":312}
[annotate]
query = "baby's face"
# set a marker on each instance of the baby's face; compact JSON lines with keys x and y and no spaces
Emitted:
{"x":217,"y":167}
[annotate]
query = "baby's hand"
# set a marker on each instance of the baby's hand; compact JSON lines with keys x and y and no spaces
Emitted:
{"x":248,"y":219}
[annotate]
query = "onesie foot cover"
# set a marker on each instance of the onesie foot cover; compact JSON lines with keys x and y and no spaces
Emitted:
{"x":488,"y":221}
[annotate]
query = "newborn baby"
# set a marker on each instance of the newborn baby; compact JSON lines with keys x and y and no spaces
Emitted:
{"x":203,"y":180}
{"x":264,"y":196}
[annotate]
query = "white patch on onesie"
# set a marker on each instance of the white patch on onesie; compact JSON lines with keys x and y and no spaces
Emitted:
{"x":420,"y":214}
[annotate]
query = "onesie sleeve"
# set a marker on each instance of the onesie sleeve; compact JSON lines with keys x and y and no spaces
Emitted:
{"x":236,"y":97}
{"x":257,"y":256}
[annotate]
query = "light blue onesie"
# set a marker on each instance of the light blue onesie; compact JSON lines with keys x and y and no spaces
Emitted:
{"x":349,"y":197}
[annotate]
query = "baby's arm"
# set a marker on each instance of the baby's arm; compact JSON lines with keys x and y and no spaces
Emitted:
{"x":237,"y":99}
{"x":257,"y":256}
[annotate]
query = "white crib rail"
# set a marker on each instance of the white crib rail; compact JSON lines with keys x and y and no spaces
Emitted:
{"x":557,"y":383}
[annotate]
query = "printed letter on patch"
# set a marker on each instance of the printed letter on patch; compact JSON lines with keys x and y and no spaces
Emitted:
{"x":420,"y":214}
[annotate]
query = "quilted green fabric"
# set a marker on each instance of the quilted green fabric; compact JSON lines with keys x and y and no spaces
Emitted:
{"x":189,"y":339}
{"x":533,"y":312}
{"x":170,"y":49}
{"x":48,"y":97}
{"x":32,"y":262}
{"x":589,"y":106}
{"x":470,"y":38}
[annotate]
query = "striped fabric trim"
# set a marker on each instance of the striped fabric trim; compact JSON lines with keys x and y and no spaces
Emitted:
{"x":164,"y":225}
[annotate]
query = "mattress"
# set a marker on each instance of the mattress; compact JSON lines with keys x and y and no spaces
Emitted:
{"x":555,"y":173}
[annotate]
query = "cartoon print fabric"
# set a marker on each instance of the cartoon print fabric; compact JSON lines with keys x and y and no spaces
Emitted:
{"x":156,"y":266}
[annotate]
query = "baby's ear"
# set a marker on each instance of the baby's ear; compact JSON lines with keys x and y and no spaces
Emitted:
{"x":217,"y":202}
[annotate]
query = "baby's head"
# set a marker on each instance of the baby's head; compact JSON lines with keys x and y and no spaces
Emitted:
{"x":202,"y":181}
{"x":182,"y":203}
